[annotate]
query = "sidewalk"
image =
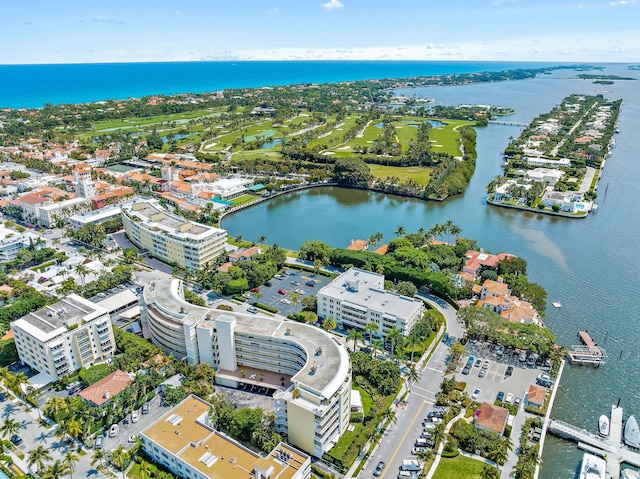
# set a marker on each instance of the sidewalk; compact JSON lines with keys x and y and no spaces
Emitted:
{"x":447,"y":428}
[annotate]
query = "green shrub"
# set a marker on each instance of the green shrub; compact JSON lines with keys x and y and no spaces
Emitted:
{"x":266,"y":307}
{"x":450,"y":450}
{"x":507,"y":431}
{"x":240,"y":298}
{"x":225,"y":307}
{"x":357,"y":417}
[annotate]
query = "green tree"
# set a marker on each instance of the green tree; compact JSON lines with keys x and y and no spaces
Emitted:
{"x":38,"y":456}
{"x":355,"y":336}
{"x":120,"y":458}
{"x":9,"y":427}
{"x":55,"y":470}
{"x":69,"y":461}
{"x":352,"y":172}
{"x":329,"y":324}
{"x":406,"y":288}
{"x":400,"y":231}
{"x":54,"y":406}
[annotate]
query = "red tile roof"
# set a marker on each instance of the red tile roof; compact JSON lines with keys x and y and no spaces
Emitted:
{"x":108,"y":387}
{"x":491,"y":417}
{"x":536,"y":395}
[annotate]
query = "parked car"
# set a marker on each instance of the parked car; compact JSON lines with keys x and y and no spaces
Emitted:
{"x":476,"y":393}
{"x":278,"y":276}
{"x":523,"y":357}
{"x":16,"y":440}
{"x":500,"y":396}
{"x":295,"y":283}
{"x":478,"y":363}
{"x":471,"y":359}
{"x":268,"y":284}
{"x":145,"y":408}
{"x":134,"y":417}
{"x":99,"y":442}
{"x":113,"y":431}
{"x":252,"y":309}
{"x":255,"y":290}
{"x":509,"y":371}
{"x":132,"y":438}
{"x":517,"y":401}
{"x":285,"y":301}
{"x":509,"y":398}
{"x":379,"y":468}
{"x":282,"y":291}
{"x":481,"y":373}
{"x":466,"y":369}
{"x":486,"y":363}
{"x":500,"y":350}
{"x":310,"y":284}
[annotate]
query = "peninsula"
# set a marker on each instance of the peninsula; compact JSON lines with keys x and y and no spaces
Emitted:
{"x":554,"y":165}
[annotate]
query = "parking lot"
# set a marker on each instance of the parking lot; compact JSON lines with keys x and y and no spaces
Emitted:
{"x":495,"y":374}
{"x":294,"y":284}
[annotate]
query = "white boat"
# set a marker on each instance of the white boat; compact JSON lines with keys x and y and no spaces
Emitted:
{"x":603,"y":425}
{"x":557,"y":304}
{"x":592,"y":467}
{"x":632,"y":433}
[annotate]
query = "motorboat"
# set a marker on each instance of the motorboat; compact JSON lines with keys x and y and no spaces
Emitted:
{"x":632,"y":433}
{"x":557,"y":304}
{"x":603,"y":425}
{"x":592,"y":467}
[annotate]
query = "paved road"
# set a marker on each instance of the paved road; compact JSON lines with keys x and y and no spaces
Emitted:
{"x":399,"y":439}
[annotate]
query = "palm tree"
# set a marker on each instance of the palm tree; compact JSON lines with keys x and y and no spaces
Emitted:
{"x":329,"y":324}
{"x":73,"y":427}
{"x":394,"y":336}
{"x":425,"y":455}
{"x":370,"y":329}
{"x":489,"y":472}
{"x":355,"y":336}
{"x":262,"y":239}
{"x":400,"y":231}
{"x":4,"y":374}
{"x":145,"y":470}
{"x":9,"y":427}
{"x":16,"y":381}
{"x":55,"y":471}
{"x":55,"y":405}
{"x":438,"y":434}
{"x":377,"y":345}
{"x":413,"y":340}
{"x":69,"y":461}
{"x":98,"y":457}
{"x":500,"y":451}
{"x":38,"y":457}
{"x":120,"y":458}
{"x":413,"y":375}
{"x":389,"y":417}
{"x":81,"y":270}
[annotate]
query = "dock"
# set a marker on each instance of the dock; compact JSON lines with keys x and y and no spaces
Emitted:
{"x":612,"y":448}
{"x":588,"y":352}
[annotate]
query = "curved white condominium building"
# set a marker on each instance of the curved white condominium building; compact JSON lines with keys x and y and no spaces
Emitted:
{"x":309,"y":369}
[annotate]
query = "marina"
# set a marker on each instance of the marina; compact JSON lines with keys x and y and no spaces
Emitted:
{"x":612,"y":449}
{"x":588,"y":353}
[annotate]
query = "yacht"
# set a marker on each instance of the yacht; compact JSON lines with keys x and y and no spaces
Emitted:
{"x":592,"y":467}
{"x":632,"y":433}
{"x":603,"y":425}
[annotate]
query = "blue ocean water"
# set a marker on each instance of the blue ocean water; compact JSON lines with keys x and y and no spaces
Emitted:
{"x":29,"y":86}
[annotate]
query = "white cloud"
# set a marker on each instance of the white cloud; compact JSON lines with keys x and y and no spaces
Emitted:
{"x":104,"y":19}
{"x":622,"y":3}
{"x":334,"y":4}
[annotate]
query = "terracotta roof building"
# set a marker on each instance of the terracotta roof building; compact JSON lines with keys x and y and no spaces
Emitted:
{"x":536,"y":396}
{"x":108,"y":387}
{"x":491,"y":417}
{"x":358,"y":245}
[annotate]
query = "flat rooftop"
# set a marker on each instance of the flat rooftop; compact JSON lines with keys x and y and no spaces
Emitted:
{"x":50,"y":321}
{"x":327,"y":360}
{"x":369,"y":294}
{"x":185,"y":432}
{"x":149,"y":212}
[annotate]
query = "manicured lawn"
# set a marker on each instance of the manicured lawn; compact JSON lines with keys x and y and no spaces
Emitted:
{"x":367,"y":402}
{"x":241,"y":200}
{"x":418,"y":174}
{"x":459,"y":467}
{"x":447,"y":137}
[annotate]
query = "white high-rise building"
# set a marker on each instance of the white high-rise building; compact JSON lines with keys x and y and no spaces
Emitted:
{"x":357,"y":297}
{"x":305,"y":368}
{"x":64,"y":337}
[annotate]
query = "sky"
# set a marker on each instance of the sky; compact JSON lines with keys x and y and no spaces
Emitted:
{"x":90,"y":31}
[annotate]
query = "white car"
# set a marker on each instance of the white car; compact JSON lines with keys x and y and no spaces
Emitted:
{"x":132,"y":439}
{"x":509,"y":398}
{"x":113,"y":431}
{"x":134,"y":416}
{"x":476,"y":393}
{"x":285,"y":301}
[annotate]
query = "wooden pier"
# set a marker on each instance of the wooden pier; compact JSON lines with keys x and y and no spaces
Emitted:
{"x":612,"y":448}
